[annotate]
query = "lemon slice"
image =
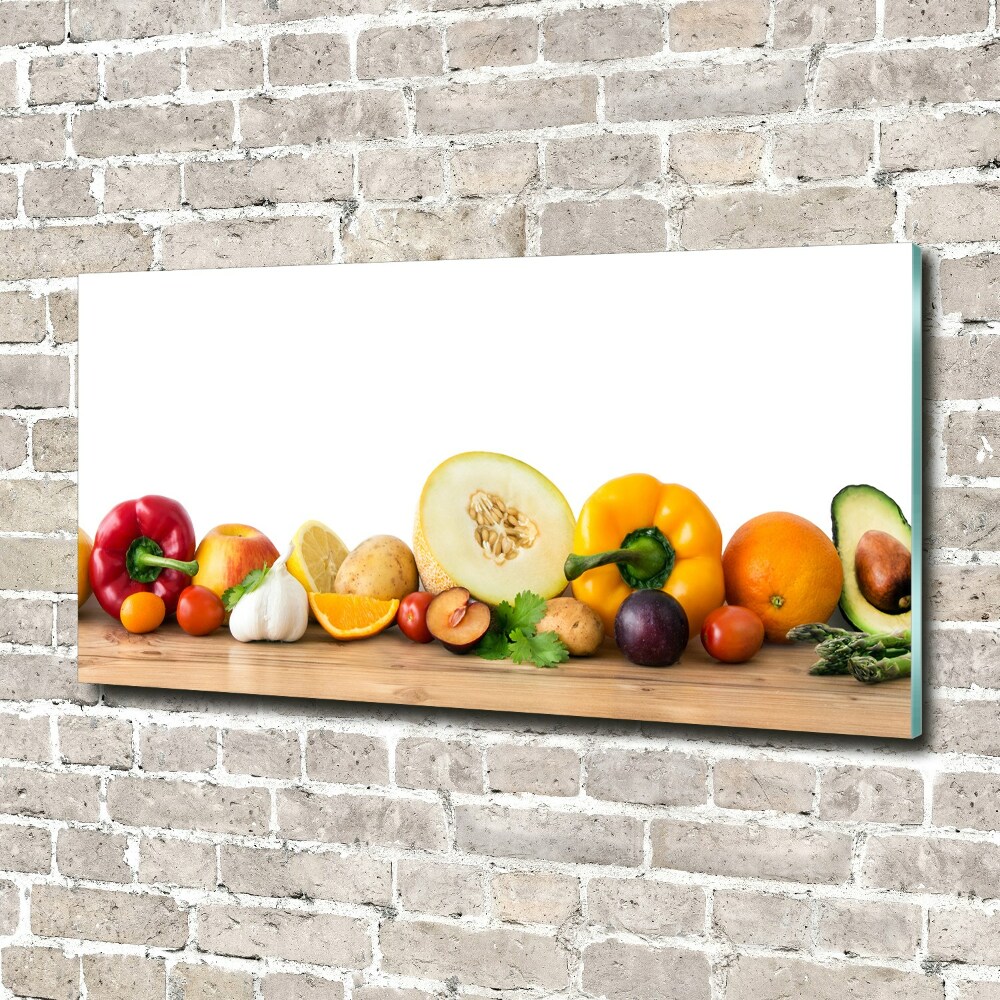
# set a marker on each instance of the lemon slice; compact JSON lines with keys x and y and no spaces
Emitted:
{"x":317,"y":553}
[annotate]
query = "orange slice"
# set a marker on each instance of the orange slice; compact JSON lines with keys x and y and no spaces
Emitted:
{"x":349,"y":616}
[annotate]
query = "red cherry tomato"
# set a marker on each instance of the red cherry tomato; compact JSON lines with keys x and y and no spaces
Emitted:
{"x":412,"y":616}
{"x":732,"y":634}
{"x":199,"y":610}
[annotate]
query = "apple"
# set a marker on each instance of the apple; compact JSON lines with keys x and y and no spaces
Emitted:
{"x":228,"y":552}
{"x":456,"y":620}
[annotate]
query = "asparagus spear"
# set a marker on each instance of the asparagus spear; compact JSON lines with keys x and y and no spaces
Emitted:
{"x":830,"y":667}
{"x":870,"y":658}
{"x":872,"y":671}
{"x":817,"y":631}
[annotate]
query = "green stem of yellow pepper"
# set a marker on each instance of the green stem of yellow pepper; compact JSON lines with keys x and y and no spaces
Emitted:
{"x":645,"y":560}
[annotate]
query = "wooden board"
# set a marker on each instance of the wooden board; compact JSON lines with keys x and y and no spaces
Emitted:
{"x":774,"y":691}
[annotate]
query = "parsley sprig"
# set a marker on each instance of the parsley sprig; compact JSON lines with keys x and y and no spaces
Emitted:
{"x":253,"y":579}
{"x":514,"y":634}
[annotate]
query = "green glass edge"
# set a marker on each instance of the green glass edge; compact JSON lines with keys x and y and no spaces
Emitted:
{"x":917,"y":571}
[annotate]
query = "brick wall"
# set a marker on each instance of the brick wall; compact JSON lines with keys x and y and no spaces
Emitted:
{"x":162,"y":845}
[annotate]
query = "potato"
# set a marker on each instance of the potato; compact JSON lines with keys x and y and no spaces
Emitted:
{"x":577,"y":625}
{"x":382,"y":566}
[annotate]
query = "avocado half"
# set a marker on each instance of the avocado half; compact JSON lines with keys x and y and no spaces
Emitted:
{"x":855,"y":510}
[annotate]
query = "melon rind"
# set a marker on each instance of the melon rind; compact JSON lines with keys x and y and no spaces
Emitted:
{"x":443,"y":542}
{"x":432,"y":576}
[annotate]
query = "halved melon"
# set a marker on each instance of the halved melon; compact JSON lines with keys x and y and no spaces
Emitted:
{"x":493,"y":525}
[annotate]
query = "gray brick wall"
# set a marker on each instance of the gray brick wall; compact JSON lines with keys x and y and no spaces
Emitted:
{"x":164,"y":845}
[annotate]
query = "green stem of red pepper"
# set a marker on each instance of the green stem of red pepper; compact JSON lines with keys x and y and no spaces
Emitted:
{"x":145,"y":561}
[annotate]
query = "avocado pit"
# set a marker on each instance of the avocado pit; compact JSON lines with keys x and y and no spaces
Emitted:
{"x":882,"y":569}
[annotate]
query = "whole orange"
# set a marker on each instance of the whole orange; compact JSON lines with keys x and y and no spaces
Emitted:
{"x":785,"y":569}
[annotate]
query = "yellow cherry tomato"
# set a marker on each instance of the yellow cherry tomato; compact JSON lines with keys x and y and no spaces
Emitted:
{"x":143,"y":612}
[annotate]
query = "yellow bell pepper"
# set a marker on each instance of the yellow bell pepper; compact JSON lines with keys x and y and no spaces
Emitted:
{"x":636,"y":533}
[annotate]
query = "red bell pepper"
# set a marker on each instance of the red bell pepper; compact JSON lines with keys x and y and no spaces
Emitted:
{"x":144,"y":544}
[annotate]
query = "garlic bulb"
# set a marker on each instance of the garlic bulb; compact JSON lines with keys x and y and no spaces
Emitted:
{"x":278,"y":610}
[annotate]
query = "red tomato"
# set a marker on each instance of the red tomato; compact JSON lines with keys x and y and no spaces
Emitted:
{"x":412,"y":616}
{"x":732,"y":634}
{"x":199,"y":610}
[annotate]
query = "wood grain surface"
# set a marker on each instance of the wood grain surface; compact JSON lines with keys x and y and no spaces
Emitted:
{"x":773,"y":691}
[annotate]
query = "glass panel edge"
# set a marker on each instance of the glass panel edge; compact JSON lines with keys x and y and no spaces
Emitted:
{"x":916,"y":679}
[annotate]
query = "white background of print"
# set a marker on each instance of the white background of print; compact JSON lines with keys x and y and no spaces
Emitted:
{"x":274,"y":395}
